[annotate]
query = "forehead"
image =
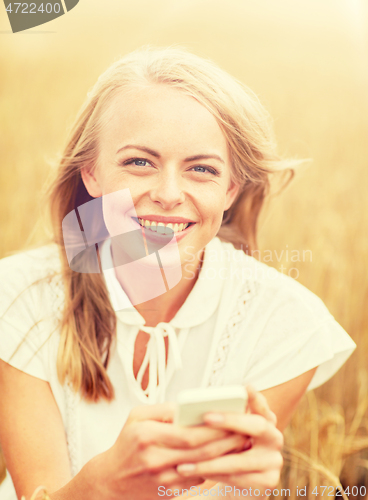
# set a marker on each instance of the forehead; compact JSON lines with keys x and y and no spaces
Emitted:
{"x":164,"y":119}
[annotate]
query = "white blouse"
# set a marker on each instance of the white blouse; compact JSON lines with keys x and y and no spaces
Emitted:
{"x":243,"y":322}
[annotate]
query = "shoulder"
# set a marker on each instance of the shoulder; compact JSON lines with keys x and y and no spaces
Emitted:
{"x":30,"y":302}
{"x":278,"y":331}
{"x":271,"y":291}
{"x":28,"y":273}
{"x":33,"y":262}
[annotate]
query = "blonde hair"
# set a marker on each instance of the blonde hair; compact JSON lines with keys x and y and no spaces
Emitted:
{"x":89,"y":322}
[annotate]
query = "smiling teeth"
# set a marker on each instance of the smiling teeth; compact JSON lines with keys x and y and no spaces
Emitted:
{"x":160,"y":227}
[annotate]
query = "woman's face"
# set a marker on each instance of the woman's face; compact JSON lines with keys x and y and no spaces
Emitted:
{"x":172,"y":155}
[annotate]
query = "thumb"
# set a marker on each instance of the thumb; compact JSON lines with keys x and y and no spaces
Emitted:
{"x":258,"y":405}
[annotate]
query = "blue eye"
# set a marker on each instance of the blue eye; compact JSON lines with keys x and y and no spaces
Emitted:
{"x":204,"y":169}
{"x":139,"y":162}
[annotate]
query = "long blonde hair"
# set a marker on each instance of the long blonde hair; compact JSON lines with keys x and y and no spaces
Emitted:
{"x":89,"y":323}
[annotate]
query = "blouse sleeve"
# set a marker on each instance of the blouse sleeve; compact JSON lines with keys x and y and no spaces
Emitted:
{"x":23,"y":336}
{"x":297,"y":334}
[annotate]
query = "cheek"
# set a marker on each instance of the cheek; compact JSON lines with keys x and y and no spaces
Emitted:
{"x":117,"y":208}
{"x":212,"y":205}
{"x":136,"y":186}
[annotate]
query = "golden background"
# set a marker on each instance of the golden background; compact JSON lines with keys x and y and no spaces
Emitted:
{"x":308,"y":62}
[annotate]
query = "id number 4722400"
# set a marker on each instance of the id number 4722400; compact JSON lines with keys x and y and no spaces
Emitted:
{"x":333,"y":491}
{"x":31,"y":8}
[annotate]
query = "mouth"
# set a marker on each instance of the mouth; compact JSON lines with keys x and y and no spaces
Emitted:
{"x":163,"y":228}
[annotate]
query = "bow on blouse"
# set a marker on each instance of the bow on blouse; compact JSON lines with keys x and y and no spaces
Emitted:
{"x":156,"y":358}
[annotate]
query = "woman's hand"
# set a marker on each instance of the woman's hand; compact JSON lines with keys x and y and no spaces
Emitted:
{"x":148,"y":450}
{"x":259,"y":465}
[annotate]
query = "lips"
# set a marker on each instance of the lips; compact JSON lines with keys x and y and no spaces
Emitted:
{"x":166,"y":220}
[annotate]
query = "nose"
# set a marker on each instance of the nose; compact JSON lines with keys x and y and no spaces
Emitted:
{"x":168,"y":191}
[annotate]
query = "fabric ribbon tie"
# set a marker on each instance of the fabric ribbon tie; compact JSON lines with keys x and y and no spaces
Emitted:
{"x":155,"y":357}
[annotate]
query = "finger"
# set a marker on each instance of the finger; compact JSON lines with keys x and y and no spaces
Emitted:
{"x":170,"y":476}
{"x":255,"y":460}
{"x":254,"y":426}
{"x":172,"y":436}
{"x":250,"y":425}
{"x":258,"y":404}
{"x":161,"y":458}
{"x":161,"y":412}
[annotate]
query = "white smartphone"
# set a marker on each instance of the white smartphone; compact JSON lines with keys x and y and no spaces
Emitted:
{"x":192,"y":404}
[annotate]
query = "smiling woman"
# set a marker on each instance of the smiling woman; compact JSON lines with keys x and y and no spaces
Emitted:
{"x":185,"y":173}
{"x":172,"y":154}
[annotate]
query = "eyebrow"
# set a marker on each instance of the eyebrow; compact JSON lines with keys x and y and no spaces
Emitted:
{"x":157,"y":155}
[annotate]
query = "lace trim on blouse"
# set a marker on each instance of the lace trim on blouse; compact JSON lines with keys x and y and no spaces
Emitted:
{"x":231,"y":331}
{"x":71,"y":427}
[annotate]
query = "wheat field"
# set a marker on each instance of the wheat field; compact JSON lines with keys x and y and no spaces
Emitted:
{"x":307,"y":60}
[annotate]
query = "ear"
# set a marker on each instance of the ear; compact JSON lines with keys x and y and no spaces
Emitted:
{"x":231,"y":194}
{"x":91,"y":183}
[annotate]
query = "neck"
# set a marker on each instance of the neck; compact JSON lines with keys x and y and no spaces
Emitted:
{"x":140,"y":281}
